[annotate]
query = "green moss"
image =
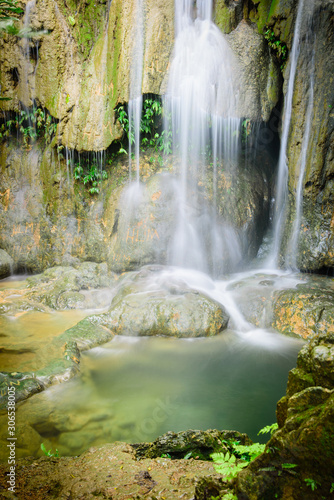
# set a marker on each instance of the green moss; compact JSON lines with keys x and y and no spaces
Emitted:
{"x":224,"y":17}
{"x":90,"y":19}
{"x":273,"y":8}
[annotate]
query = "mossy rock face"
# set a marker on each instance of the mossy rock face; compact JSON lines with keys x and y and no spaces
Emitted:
{"x":227,"y":14}
{"x":315,"y":365}
{"x":83,"y":65}
{"x":243,"y":197}
{"x":305,"y":311}
{"x":144,"y":222}
{"x":171,"y":309}
{"x":306,"y":424}
{"x":257,"y":77}
{"x":316,"y":235}
{"x":47,"y":218}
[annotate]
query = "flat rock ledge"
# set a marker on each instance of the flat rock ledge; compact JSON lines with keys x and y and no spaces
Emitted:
{"x":115,"y":472}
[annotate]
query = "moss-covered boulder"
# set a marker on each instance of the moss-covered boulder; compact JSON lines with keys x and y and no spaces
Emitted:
{"x":59,"y":287}
{"x":86,"y":286}
{"x":199,"y":443}
{"x":143,"y":307}
{"x":299,"y":458}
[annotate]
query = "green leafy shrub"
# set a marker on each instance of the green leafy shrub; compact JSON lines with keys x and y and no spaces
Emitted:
{"x":239,"y":456}
{"x":150,"y":127}
{"x":280,"y":49}
{"x":227,"y":464}
{"x":31,"y":124}
{"x":90,"y":174}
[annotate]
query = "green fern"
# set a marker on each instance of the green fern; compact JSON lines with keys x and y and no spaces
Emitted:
{"x":227,"y":464}
{"x":268,"y":429}
{"x":249,"y":452}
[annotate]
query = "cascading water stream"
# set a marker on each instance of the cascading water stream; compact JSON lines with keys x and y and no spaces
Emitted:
{"x":292,"y":251}
{"x":29,"y":86}
{"x":200,"y":108}
{"x":283,"y":172}
{"x":136,"y":98}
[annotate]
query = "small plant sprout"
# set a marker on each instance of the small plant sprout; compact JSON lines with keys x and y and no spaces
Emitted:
{"x":49,"y":453}
{"x":312,"y":483}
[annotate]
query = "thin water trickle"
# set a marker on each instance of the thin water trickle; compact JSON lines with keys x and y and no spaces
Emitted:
{"x":292,"y":251}
{"x":292,"y":248}
{"x":136,"y":78}
{"x":283,"y":171}
{"x":29,"y":68}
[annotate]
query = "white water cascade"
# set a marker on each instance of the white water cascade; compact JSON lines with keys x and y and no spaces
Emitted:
{"x":136,"y":76}
{"x":200,"y":108}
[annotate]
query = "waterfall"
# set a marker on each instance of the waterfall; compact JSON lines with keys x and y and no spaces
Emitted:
{"x":283,"y":172}
{"x":292,"y":251}
{"x":200,"y":109}
{"x":29,"y":70}
{"x":136,"y":77}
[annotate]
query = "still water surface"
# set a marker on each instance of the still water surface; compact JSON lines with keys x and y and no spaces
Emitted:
{"x":137,"y":389}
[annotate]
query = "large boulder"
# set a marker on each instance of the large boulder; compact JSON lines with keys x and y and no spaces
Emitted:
{"x":87,"y":286}
{"x":145,"y":307}
{"x":304,"y":311}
